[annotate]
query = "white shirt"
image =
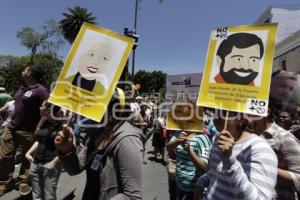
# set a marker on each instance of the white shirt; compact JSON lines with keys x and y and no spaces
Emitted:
{"x":10,"y":106}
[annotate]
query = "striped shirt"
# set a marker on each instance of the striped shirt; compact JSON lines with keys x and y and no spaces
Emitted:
{"x":248,"y":174}
{"x":186,"y":172}
{"x":287,"y":148}
{"x":213,"y":130}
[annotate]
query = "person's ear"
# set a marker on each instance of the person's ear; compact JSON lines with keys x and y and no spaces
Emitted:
{"x":219,"y":60}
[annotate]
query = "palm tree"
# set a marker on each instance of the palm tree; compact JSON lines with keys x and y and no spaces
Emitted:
{"x":73,"y":20}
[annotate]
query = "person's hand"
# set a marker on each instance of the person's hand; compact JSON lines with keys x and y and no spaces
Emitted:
{"x":294,"y":128}
{"x":29,"y":157}
{"x":51,"y":164}
{"x":64,"y":140}
{"x":186,"y":146}
{"x":180,"y":140}
{"x":225,"y":143}
{"x":183,"y":135}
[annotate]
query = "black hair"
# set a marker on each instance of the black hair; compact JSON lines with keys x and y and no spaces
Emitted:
{"x":115,"y":105}
{"x":239,"y":40}
{"x":37,"y":72}
{"x":54,"y":108}
{"x":275,"y":73}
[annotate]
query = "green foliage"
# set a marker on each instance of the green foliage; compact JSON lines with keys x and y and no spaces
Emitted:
{"x":5,"y":59}
{"x":10,"y":72}
{"x":150,"y":81}
{"x":48,"y":40}
{"x":51,"y":67}
{"x":72,"y":21}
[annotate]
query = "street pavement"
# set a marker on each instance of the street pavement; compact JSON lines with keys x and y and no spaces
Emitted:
{"x":68,"y":186}
{"x":155,"y":181}
{"x":155,"y":176}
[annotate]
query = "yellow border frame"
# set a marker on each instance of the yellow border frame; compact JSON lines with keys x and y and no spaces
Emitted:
{"x":93,"y":106}
{"x":206,"y":98}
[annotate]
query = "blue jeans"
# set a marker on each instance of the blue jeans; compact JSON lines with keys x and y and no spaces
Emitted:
{"x":44,"y":181}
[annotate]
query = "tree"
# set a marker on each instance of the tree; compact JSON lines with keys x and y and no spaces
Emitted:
{"x":5,"y":59}
{"x":51,"y":67}
{"x":10,"y":73}
{"x":150,"y":81}
{"x":73,"y":20}
{"x":48,"y":40}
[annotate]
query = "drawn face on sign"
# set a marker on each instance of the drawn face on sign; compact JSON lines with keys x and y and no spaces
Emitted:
{"x":95,"y":60}
{"x":239,"y":58}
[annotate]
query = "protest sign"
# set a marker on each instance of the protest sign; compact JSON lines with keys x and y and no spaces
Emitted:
{"x":91,"y":71}
{"x":182,"y":92}
{"x":238,"y":69}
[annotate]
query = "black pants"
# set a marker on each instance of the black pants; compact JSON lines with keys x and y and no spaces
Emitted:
{"x":183,"y":195}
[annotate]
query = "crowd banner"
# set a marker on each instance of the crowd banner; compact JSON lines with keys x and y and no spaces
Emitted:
{"x":238,"y":69}
{"x":91,"y":71}
{"x":182,"y":93}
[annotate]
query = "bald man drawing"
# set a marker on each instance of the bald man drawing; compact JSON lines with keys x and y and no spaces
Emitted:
{"x":90,"y":67}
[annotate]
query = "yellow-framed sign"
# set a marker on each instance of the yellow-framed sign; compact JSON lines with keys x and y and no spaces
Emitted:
{"x":185,"y":117}
{"x":238,"y":69}
{"x":183,"y":114}
{"x":91,"y":71}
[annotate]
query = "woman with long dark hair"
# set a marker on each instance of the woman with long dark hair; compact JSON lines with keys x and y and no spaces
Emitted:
{"x":112,"y":157}
{"x":45,"y":168}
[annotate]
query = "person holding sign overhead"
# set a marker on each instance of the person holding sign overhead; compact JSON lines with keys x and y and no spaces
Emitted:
{"x":239,"y":59}
{"x":112,"y":157}
{"x":192,"y":150}
{"x":242,"y":165}
{"x":90,"y":67}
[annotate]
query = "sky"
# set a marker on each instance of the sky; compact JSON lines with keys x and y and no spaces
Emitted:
{"x":174,"y":35}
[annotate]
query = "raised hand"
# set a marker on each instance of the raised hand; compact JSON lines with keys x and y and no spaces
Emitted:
{"x":64,"y":140}
{"x":29,"y":157}
{"x":225,"y":143}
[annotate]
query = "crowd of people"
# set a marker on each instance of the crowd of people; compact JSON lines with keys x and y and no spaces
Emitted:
{"x":252,"y":158}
